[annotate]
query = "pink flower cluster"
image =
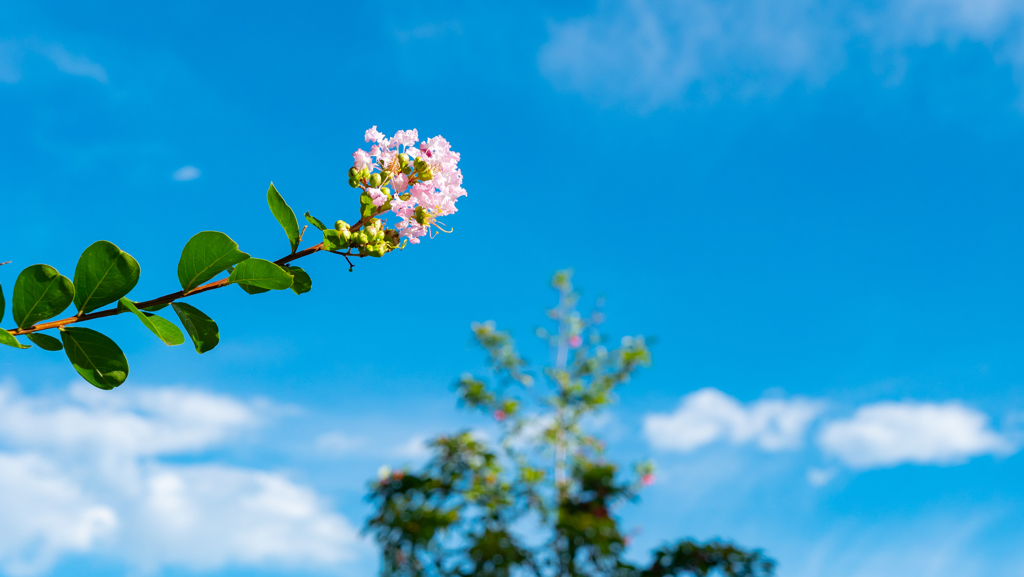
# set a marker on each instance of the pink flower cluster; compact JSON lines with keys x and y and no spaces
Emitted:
{"x":432,"y":188}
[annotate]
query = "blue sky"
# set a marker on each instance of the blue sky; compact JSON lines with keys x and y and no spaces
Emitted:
{"x":814,"y":206}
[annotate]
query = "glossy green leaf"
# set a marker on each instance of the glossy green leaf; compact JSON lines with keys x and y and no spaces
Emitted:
{"x":104,"y":274}
{"x":8,"y":339}
{"x":284,"y":215}
{"x":315,"y":222}
{"x":333,"y":240}
{"x":3,"y":303}
{"x":164,"y":329}
{"x":206,"y":255}
{"x":45,"y":342}
{"x":204,"y":332}
{"x":301,"y":283}
{"x":97,"y":358}
{"x":256,"y":272}
{"x":253,"y":290}
{"x":40,"y":293}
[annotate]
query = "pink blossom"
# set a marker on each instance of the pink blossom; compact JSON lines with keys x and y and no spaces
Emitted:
{"x":436,"y":197}
{"x":575,"y":341}
{"x":401,"y":182}
{"x":499,"y":415}
{"x":406,"y":137}
{"x":373,"y":135}
{"x":362,"y":159}
{"x":378,"y":196}
{"x":647,"y":480}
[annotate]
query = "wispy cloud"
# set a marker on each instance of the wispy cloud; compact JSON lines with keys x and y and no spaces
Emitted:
{"x":892,"y":433}
{"x":648,"y":54}
{"x":186,"y":173}
{"x":709,"y":415}
{"x":14,"y":51}
{"x":86,"y":472}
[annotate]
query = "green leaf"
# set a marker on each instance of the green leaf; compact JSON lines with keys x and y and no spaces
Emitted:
{"x":253,"y":290}
{"x":45,"y":342}
{"x":40,"y":293}
{"x":333,"y":240}
{"x":260,"y":273}
{"x":366,"y":207}
{"x":206,"y":255}
{"x":8,"y":339}
{"x":154,"y":308}
{"x":167,"y":331}
{"x":3,"y":303}
{"x":204,"y":332}
{"x":104,"y":274}
{"x":315,"y":222}
{"x":301,"y":282}
{"x":284,"y":215}
{"x":97,"y":358}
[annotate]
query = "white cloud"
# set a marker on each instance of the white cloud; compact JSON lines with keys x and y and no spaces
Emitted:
{"x":13,"y":52}
{"x":891,"y":433}
{"x":820,"y":477}
{"x":74,"y":64}
{"x":82,"y":472}
{"x":651,"y":53}
{"x":186,"y":173}
{"x":709,"y":415}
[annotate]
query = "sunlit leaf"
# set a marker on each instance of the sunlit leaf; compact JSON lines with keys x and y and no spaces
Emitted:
{"x":164,"y":329}
{"x":256,"y":272}
{"x":104,"y":274}
{"x":97,"y":358}
{"x":45,"y":342}
{"x":315,"y":222}
{"x":8,"y":339}
{"x":40,"y":293}
{"x":204,"y":332}
{"x":206,"y":255}
{"x":301,"y":282}
{"x":284,"y":215}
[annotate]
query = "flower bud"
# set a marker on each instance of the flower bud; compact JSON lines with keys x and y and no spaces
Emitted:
{"x":391,"y":237}
{"x":405,"y":196}
{"x":364,"y":174}
{"x":406,"y":170}
{"x":353,"y":182}
{"x":426,"y":174}
{"x":352,"y":172}
{"x":360,"y":238}
{"x":420,"y":215}
{"x":341,"y":225}
{"x":346,"y":234}
{"x":403,"y":158}
{"x":375,"y":180}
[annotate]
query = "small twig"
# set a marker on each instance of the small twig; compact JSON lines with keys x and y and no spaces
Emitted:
{"x":3,"y":263}
{"x":301,"y":233}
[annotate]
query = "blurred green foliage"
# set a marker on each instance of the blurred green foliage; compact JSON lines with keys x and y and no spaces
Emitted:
{"x":540,"y":501}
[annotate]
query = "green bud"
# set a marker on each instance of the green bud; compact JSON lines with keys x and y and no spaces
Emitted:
{"x":386,"y":179}
{"x":391,"y":237}
{"x":360,"y":238}
{"x":364,"y":174}
{"x":426,"y":174}
{"x":403,"y":158}
{"x":341,"y":225}
{"x":352,"y":172}
{"x":375,"y":180}
{"x":406,"y":170}
{"x":353,"y":182}
{"x":420,"y":215}
{"x":405,"y":196}
{"x":346,"y":234}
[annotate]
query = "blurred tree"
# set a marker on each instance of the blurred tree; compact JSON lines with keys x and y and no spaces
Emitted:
{"x":540,"y":502}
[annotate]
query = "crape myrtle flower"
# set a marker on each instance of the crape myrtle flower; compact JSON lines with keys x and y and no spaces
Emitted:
{"x":425,"y":177}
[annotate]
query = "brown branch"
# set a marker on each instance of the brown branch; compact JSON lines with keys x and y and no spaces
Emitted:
{"x":3,"y":263}
{"x":169,"y":298}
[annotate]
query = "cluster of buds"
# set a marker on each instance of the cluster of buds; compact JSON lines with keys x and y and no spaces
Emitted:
{"x":417,"y":181}
{"x":372,"y":239}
